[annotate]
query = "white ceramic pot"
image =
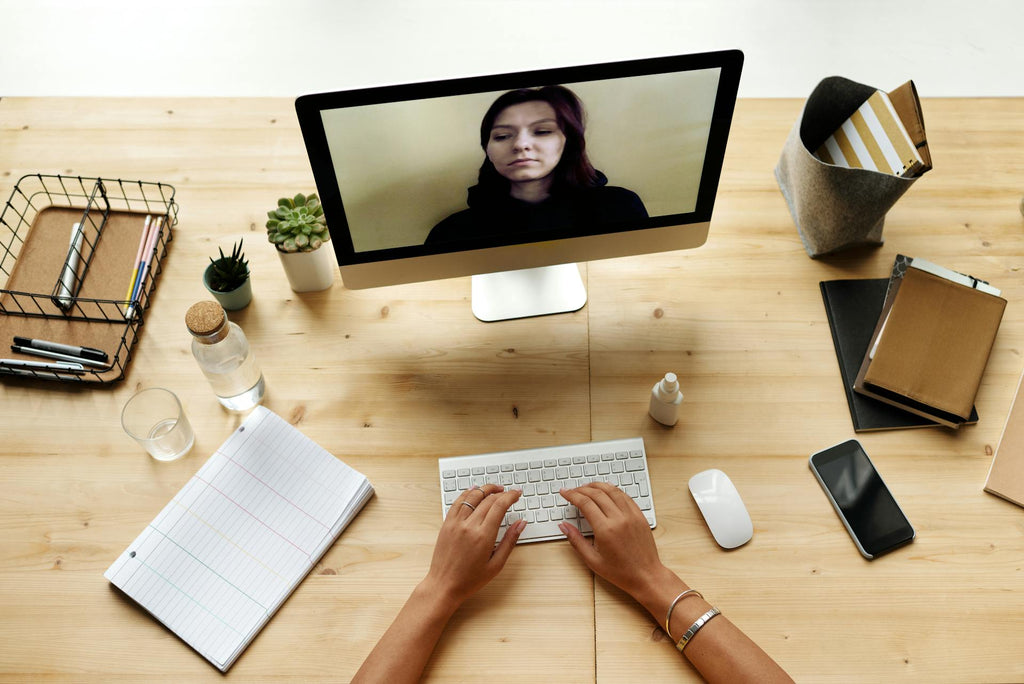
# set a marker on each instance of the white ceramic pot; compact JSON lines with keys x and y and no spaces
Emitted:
{"x":309,"y":271}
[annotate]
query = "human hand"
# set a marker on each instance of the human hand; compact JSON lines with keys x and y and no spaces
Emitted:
{"x":623,"y":550}
{"x":465,"y":558}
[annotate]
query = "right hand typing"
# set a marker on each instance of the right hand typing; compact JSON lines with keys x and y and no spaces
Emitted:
{"x":623,"y":550}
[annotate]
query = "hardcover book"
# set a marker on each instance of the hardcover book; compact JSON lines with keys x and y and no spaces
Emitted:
{"x":932,"y":342}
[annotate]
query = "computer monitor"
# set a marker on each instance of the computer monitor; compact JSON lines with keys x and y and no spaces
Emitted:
{"x":513,"y":178}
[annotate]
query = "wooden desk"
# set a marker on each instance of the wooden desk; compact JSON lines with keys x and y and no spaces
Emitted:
{"x":391,"y":379}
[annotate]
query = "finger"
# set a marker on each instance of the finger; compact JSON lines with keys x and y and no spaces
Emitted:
{"x":476,"y":495}
{"x":583,"y":499}
{"x":508,"y":542}
{"x":469,"y":500}
{"x":495,"y":507}
{"x":605,"y":496}
{"x":624,"y":501}
{"x":580,"y":544}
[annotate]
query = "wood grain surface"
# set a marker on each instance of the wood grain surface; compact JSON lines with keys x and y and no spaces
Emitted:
{"x":393,"y":378}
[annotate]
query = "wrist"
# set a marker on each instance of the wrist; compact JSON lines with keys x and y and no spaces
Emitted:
{"x":658,"y":590}
{"x":435,"y":597}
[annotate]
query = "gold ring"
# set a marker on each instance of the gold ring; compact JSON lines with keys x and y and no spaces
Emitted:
{"x":466,"y":503}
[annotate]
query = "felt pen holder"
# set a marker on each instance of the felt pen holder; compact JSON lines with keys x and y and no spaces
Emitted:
{"x":834,"y":207}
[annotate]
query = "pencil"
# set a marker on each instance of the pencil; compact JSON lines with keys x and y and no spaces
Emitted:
{"x":143,"y":239}
{"x":147,"y":260}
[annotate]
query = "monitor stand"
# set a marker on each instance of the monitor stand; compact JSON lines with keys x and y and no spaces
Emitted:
{"x":528,"y":292}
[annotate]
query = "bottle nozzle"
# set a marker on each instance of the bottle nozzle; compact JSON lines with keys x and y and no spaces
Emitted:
{"x":670,"y":384}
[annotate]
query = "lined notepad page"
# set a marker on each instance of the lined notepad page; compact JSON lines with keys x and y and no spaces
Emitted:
{"x":225,"y":553}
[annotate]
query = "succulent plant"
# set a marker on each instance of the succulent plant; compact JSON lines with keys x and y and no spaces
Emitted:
{"x":229,"y":273}
{"x":297,"y":224}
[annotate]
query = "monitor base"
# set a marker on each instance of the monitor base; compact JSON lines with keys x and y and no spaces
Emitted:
{"x":528,"y":292}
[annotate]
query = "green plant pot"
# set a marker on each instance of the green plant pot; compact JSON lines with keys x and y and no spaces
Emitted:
{"x":238,"y":298}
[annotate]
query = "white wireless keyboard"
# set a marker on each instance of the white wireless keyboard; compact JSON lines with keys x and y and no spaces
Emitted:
{"x":541,"y":472}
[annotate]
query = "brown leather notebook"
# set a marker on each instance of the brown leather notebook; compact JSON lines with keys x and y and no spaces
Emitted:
{"x":1006,"y":476}
{"x":930,"y":346}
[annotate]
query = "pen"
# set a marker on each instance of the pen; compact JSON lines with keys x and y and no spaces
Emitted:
{"x":70,"y":272}
{"x":59,"y":357}
{"x":147,"y":258}
{"x":70,"y":350}
{"x":42,"y":365}
{"x":138,"y":258}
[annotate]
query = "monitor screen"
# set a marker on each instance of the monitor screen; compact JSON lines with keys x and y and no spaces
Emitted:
{"x":523,"y":170}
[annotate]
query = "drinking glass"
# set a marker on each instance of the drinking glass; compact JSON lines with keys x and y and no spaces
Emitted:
{"x":154,"y":418}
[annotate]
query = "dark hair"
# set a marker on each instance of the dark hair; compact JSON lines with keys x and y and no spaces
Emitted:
{"x":574,"y":169}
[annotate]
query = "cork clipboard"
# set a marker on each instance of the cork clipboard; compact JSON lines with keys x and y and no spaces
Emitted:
{"x":97,"y":316}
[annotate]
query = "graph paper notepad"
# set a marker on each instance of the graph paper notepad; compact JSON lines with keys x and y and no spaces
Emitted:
{"x":230,"y":547}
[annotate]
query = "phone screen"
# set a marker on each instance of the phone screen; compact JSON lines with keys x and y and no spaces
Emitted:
{"x":867,"y":507}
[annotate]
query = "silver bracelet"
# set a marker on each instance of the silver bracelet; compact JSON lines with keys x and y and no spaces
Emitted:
{"x":671,"y":607}
{"x":695,"y":627}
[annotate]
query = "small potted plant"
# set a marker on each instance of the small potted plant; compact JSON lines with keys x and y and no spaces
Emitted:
{"x":298,"y":229}
{"x":227,"y":279}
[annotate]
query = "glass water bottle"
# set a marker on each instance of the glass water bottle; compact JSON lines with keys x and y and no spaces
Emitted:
{"x":223,"y":353}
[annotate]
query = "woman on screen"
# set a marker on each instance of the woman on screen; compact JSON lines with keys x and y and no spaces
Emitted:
{"x":536,"y":175}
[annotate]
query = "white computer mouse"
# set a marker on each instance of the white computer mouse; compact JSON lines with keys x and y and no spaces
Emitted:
{"x":722,"y":508}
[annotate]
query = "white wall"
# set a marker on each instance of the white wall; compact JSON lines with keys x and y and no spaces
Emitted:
{"x":287,"y":47}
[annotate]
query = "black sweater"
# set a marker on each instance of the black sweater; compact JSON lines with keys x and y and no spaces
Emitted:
{"x":570,"y":211}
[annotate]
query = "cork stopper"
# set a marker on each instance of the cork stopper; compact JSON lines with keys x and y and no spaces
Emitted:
{"x":205,"y":318}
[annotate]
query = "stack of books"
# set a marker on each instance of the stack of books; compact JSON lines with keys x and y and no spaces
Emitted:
{"x":913,"y":349}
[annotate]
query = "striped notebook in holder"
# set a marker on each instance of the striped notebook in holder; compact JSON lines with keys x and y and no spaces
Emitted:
{"x":873,"y":138}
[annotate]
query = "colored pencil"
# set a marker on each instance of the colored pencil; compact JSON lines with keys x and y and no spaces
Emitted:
{"x":147,"y":260}
{"x":143,"y":239}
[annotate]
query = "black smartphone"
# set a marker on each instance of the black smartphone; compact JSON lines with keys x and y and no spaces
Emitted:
{"x":862,"y":500}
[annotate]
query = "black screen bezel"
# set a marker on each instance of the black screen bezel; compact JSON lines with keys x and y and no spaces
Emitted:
{"x":873,"y":546}
{"x":309,"y":107}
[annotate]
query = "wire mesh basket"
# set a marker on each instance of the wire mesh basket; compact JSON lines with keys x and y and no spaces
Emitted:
{"x":69,"y":248}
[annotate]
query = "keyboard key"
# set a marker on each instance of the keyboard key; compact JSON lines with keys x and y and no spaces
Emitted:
{"x":621,"y":455}
{"x":447,"y":473}
{"x":634,"y":465}
{"x":463,"y":472}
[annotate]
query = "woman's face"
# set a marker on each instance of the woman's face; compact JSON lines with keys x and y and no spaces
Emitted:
{"x":526,"y":143}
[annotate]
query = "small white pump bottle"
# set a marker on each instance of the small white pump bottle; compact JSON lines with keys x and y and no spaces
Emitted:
{"x":665,"y":400}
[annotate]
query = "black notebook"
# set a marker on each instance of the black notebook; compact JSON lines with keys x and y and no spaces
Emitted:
{"x":853,"y":308}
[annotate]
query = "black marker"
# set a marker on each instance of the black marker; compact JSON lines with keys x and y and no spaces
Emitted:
{"x":70,"y":350}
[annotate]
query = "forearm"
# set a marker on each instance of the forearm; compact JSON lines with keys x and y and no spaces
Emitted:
{"x":403,"y":651}
{"x":720,"y":651}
